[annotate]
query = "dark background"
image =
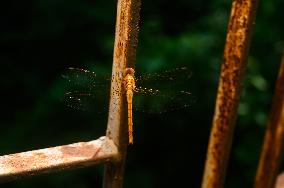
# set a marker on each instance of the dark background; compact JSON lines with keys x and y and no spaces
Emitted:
{"x":40,"y":39}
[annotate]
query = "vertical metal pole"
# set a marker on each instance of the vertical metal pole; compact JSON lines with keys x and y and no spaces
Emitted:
{"x":124,"y":55}
{"x":273,"y":141}
{"x":229,"y":90}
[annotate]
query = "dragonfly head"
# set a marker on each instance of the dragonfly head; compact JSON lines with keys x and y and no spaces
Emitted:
{"x":129,"y":71}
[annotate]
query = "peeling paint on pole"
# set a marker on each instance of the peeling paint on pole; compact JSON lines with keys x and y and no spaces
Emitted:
{"x":58,"y":158}
{"x":229,"y":90}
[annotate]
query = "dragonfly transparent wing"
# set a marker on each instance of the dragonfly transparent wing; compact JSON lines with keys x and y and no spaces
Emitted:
{"x":161,"y":101}
{"x":86,"y":91}
{"x":84,"y":79}
{"x":154,"y":93}
{"x":156,"y":80}
{"x":162,"y":92}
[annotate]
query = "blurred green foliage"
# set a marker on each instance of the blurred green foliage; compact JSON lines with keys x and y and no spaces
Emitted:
{"x":40,"y":39}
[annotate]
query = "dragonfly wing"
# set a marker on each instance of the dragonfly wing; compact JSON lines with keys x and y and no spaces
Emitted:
{"x":84,"y":79}
{"x":85,"y":90}
{"x":157,"y":101}
{"x":152,"y":80}
{"x":90,"y":102}
{"x":166,"y":91}
{"x":77,"y":100}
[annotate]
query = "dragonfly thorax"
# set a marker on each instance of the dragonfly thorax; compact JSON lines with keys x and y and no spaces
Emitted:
{"x":129,"y":82}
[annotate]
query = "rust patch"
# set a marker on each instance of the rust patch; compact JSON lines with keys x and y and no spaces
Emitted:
{"x":229,"y":90}
{"x":57,"y":158}
{"x":83,"y":151}
{"x":18,"y":162}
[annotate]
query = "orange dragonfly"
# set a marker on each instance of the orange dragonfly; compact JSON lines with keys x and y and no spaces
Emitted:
{"x":89,"y":90}
{"x":129,"y":87}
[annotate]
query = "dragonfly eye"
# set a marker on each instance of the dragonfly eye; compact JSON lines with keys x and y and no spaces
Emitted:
{"x":129,"y":71}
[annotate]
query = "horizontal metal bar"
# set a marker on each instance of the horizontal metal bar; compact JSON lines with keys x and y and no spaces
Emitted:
{"x":58,"y":158}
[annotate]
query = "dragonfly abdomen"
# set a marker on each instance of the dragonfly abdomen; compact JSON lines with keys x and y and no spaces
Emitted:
{"x":129,"y":86}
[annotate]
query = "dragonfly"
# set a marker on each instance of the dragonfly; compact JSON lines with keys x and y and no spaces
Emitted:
{"x":129,"y":87}
{"x":89,"y":90}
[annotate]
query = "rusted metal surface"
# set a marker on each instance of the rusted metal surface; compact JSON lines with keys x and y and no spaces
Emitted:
{"x":273,"y":142}
{"x":229,"y":90}
{"x":124,"y":56}
{"x":58,"y":158}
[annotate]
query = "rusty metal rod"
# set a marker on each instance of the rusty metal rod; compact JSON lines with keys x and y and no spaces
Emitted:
{"x":124,"y":55}
{"x":273,"y":141}
{"x":229,"y":90}
{"x":30,"y":163}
